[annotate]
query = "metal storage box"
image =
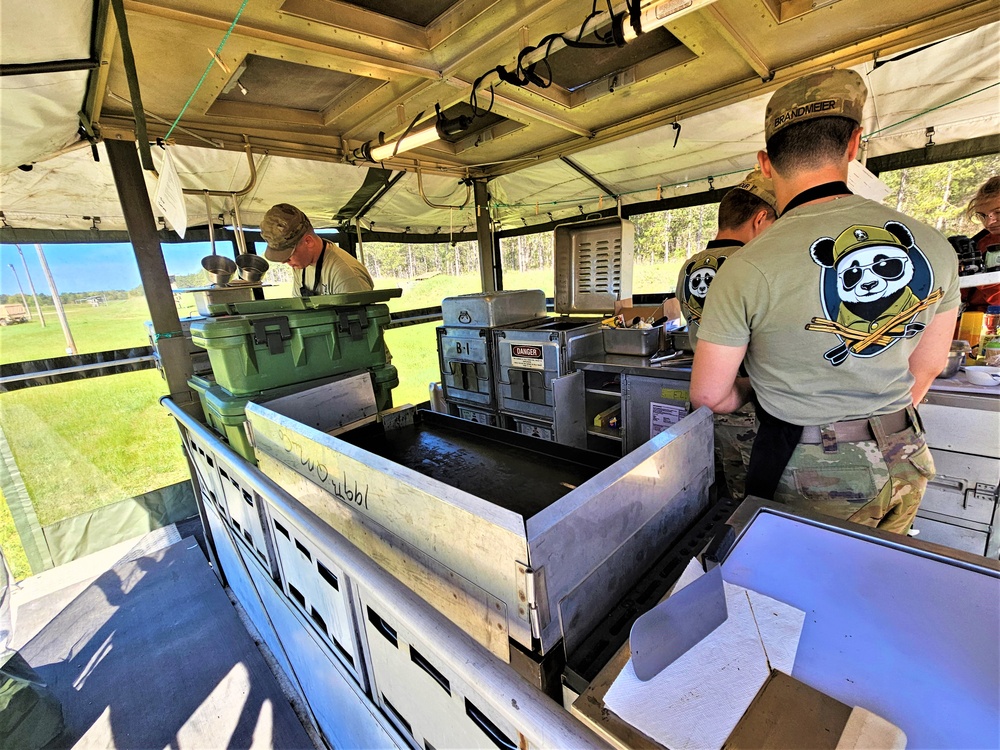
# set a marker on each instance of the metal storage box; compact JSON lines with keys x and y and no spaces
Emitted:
{"x":593,"y":265}
{"x":210,"y":301}
{"x":254,"y":353}
{"x":467,"y":357}
{"x":492,"y":309}
{"x":507,"y":536}
{"x":640,"y":342}
{"x":530,"y":359}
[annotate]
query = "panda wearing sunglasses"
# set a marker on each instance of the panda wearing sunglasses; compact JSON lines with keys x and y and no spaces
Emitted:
{"x":873,"y":267}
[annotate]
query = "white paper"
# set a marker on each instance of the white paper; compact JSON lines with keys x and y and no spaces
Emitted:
{"x":664,"y":416}
{"x":780,"y":626}
{"x":697,"y":701}
{"x":863,"y":182}
{"x":169,"y":198}
{"x":691,"y":573}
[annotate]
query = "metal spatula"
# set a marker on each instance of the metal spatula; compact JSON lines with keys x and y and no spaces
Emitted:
{"x":666,"y":632}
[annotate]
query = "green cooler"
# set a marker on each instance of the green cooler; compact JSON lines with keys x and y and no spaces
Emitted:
{"x":252,"y":353}
{"x":225,"y":412}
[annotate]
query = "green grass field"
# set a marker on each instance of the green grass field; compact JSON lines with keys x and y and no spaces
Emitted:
{"x":87,"y":443}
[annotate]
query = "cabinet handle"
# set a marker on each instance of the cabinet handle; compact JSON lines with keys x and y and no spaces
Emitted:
{"x":944,"y":482}
{"x":488,"y":728}
{"x":417,"y":658}
{"x":387,"y":632}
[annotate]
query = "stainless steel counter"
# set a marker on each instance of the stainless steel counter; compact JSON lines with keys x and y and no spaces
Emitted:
{"x":629,"y":365}
{"x":960,"y":384}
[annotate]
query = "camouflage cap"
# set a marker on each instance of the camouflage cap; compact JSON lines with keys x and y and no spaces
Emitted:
{"x":829,"y":93}
{"x":282,"y":227}
{"x":859,"y":236}
{"x":757,"y":184}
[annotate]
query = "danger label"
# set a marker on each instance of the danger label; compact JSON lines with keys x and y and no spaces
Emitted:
{"x":527,"y":357}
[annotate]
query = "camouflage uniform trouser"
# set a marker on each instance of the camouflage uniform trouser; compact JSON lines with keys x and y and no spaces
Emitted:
{"x":734,"y":436}
{"x":876,"y":483}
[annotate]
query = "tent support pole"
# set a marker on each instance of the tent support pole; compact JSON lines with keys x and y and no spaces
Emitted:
{"x":484,"y":234}
{"x":134,"y":199}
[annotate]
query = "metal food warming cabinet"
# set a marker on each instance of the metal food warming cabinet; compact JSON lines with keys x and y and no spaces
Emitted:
{"x":537,"y":386}
{"x":510,"y":537}
{"x":467,"y":347}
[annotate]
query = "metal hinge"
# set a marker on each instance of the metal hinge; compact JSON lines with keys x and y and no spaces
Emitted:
{"x":533,"y":604}
{"x":982,"y":491}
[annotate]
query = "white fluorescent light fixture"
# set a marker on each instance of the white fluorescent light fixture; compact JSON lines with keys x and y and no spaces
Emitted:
{"x":440,"y":127}
{"x":413,"y":140}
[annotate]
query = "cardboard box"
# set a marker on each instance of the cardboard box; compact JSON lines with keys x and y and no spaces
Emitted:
{"x":670,"y":309}
{"x":787,"y":715}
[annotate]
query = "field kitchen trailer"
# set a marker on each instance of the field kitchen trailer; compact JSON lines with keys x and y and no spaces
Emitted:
{"x":431,"y":580}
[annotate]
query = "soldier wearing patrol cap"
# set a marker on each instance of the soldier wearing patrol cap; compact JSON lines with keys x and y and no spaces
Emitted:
{"x":842,"y":313}
{"x":744,"y":212}
{"x":318,"y":266}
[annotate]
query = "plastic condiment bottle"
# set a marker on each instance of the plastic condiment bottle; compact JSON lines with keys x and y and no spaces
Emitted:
{"x":989,"y":340}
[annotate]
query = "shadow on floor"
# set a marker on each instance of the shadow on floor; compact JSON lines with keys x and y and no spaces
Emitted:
{"x":153,"y":655}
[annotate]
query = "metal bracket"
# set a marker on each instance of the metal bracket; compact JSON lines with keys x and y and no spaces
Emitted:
{"x":982,"y":492}
{"x":274,"y":339}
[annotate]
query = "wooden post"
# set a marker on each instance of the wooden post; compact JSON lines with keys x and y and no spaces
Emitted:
{"x":57,"y":301}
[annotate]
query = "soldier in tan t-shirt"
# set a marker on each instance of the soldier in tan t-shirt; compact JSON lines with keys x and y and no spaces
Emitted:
{"x":744,"y":212}
{"x":843,"y":311}
{"x":319,"y":266}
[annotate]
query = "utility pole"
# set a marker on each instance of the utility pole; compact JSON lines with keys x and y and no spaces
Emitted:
{"x":24,"y":300}
{"x":70,"y":344}
{"x":31,"y":286}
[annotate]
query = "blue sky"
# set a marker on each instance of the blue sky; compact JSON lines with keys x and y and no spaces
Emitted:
{"x":94,"y":267}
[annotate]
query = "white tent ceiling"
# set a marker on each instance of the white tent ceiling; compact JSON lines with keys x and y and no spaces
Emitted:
{"x":950,"y":85}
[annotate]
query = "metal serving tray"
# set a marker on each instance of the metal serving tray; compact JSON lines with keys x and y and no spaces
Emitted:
{"x":492,"y":309}
{"x":544,"y":537}
{"x":640,"y":342}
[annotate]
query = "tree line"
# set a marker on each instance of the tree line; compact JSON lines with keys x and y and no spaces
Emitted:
{"x":936,"y":194}
{"x":69,"y":298}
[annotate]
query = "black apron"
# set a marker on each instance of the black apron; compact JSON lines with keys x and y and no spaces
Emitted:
{"x":776,"y":439}
{"x":305,"y":291}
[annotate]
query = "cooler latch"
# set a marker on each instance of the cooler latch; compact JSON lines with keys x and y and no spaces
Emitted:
{"x":274,"y":338}
{"x":354,"y":326}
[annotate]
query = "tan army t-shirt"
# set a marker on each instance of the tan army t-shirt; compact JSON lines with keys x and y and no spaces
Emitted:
{"x":341,"y":273}
{"x":832,"y":300}
{"x":695,"y":278}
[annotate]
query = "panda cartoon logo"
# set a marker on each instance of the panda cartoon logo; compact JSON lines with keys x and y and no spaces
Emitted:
{"x":875,"y":281}
{"x":698,"y":277}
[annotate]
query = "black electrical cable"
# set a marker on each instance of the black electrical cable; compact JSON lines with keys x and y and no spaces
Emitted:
{"x":523,"y":74}
{"x":406,"y":132}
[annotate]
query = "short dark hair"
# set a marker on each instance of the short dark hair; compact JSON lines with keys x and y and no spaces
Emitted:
{"x":738,"y":206}
{"x":810,"y":143}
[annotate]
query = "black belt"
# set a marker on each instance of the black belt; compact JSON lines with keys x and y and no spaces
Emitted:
{"x":856,"y":430}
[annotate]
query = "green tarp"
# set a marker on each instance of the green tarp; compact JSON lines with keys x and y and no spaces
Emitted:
{"x":90,"y":532}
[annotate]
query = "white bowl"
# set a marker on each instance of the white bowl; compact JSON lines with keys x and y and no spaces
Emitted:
{"x":981,"y":375}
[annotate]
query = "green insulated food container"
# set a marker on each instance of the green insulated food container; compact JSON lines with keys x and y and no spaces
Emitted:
{"x":226,"y":414}
{"x":259,"y":352}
